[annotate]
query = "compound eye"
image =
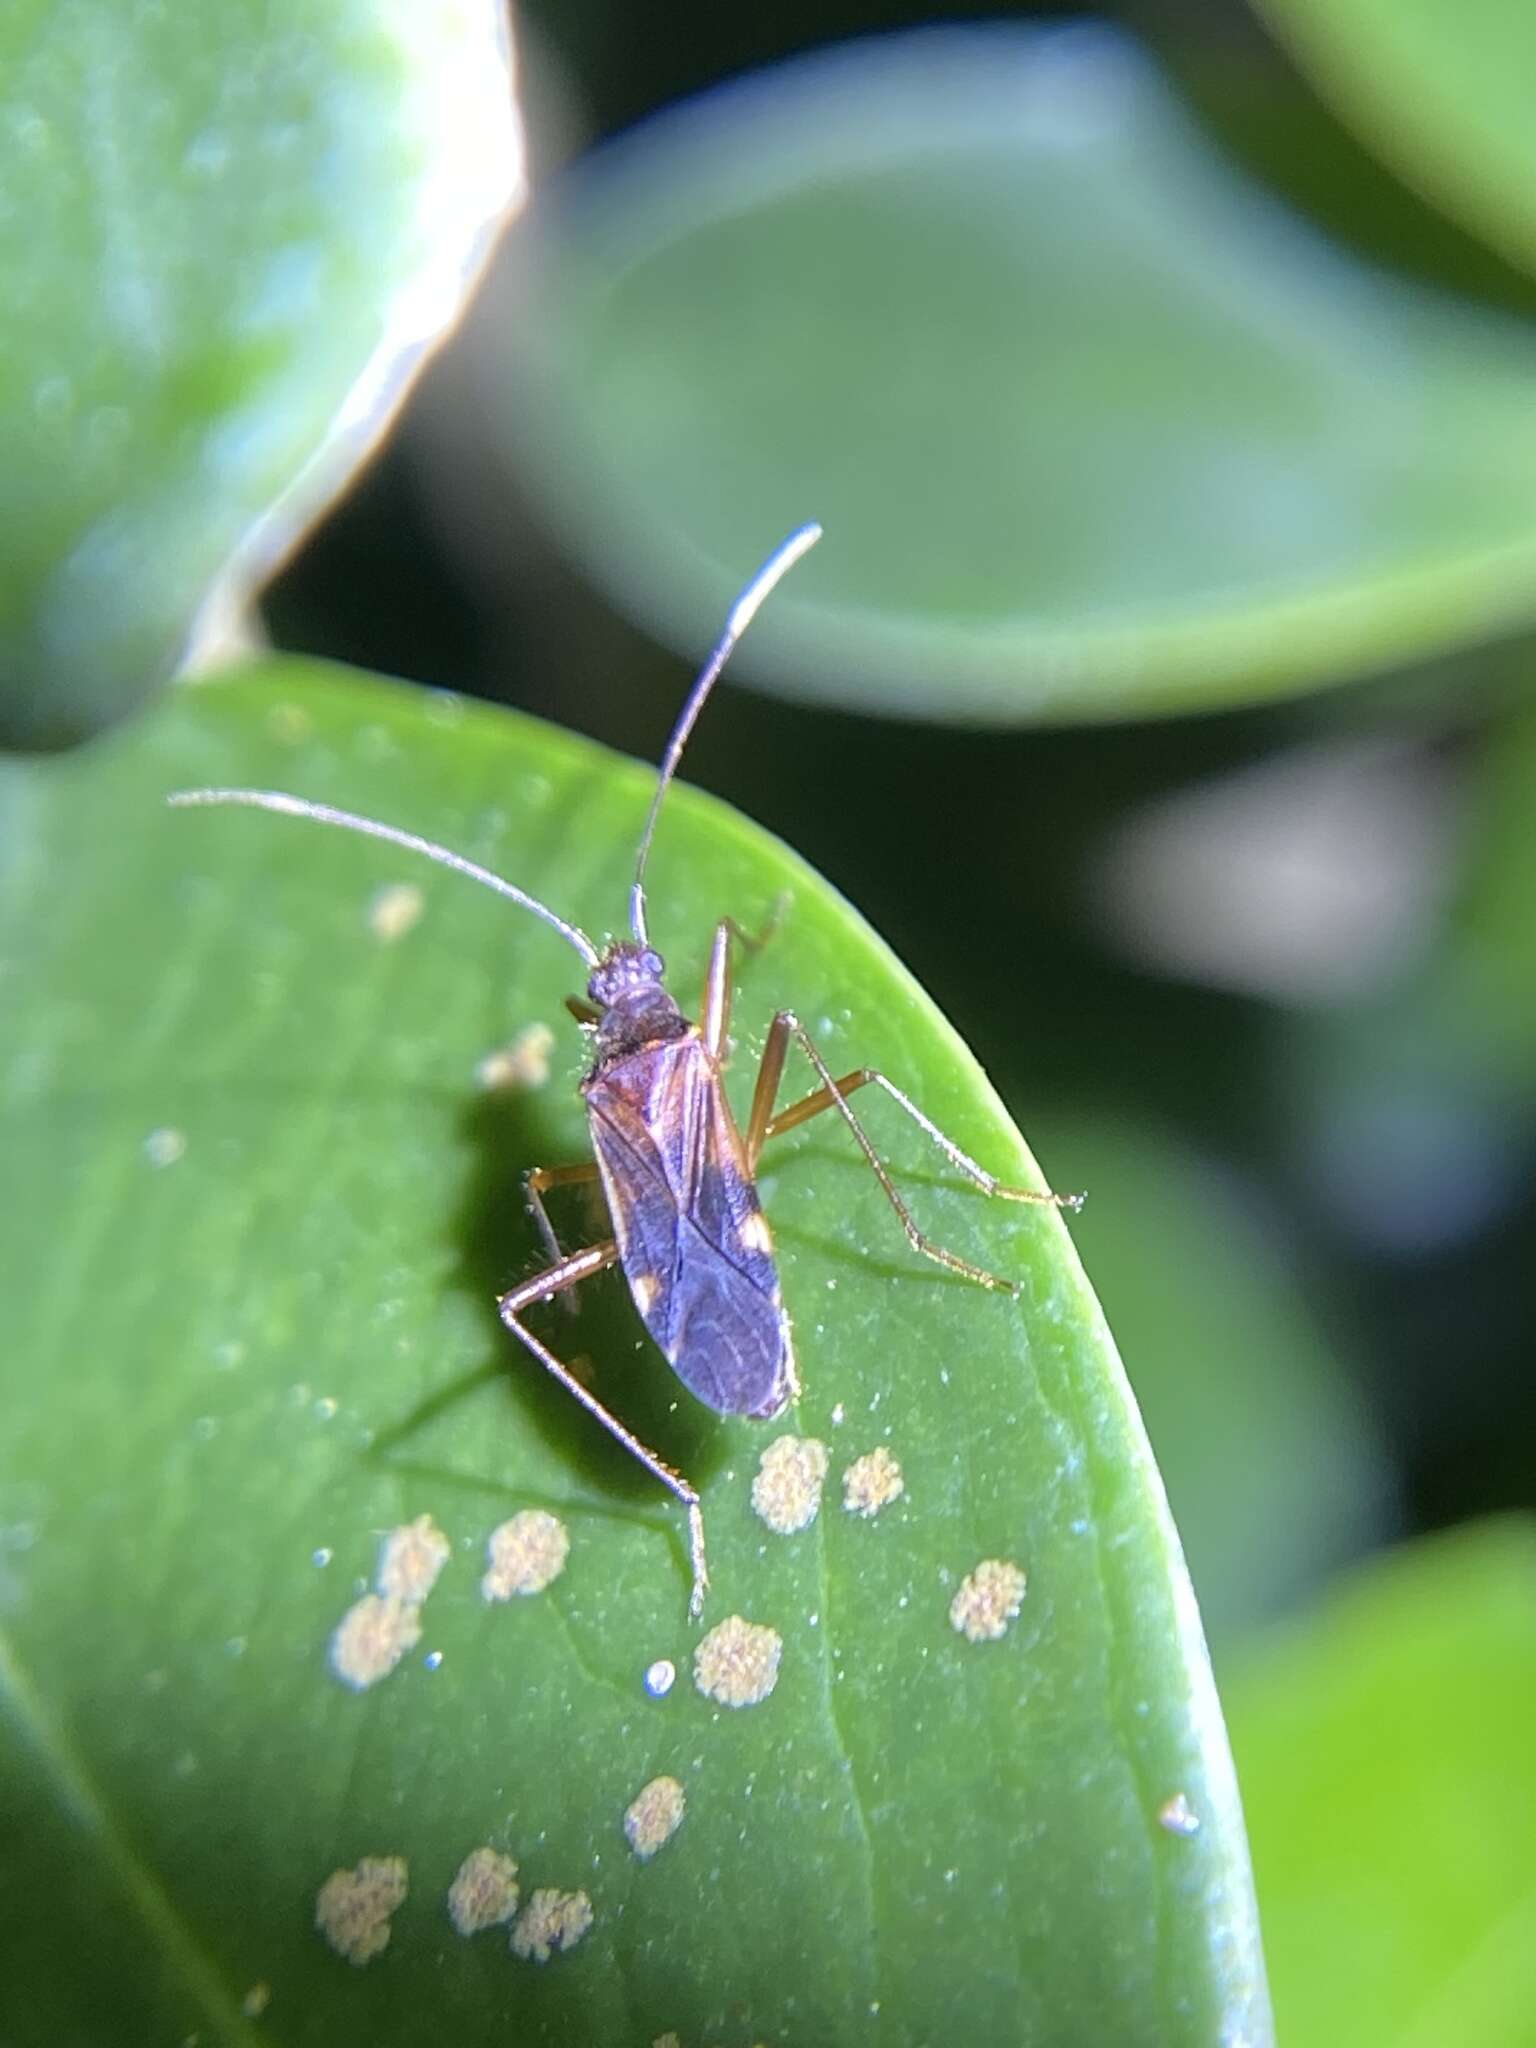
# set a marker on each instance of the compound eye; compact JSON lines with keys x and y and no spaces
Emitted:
{"x":597,"y":987}
{"x":652,"y":964}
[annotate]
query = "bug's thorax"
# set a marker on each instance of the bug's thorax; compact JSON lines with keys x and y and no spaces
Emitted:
{"x":635,"y":1010}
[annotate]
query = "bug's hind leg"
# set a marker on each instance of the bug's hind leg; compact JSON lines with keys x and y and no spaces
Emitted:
{"x":833,"y":1094}
{"x":557,"y":1279}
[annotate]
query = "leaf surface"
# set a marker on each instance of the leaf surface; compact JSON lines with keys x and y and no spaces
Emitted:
{"x":258,"y":1213}
{"x":1274,"y":1471}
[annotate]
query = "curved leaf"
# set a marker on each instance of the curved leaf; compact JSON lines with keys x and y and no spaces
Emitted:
{"x":1229,"y":1356}
{"x":228,"y":235}
{"x":1095,"y":428}
{"x":1442,"y":93}
{"x":260,"y":1214}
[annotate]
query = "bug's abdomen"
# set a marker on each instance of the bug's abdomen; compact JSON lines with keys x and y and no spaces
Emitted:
{"x":692,"y":1239}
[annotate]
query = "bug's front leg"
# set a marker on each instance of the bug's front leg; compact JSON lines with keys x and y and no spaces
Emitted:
{"x":833,"y":1094}
{"x":556,"y":1279}
{"x":715,"y":1004}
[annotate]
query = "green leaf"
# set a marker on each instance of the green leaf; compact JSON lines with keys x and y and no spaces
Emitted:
{"x":1094,"y":427}
{"x":1391,"y":1797}
{"x":259,"y":1212}
{"x":1443,"y":93}
{"x":1273,"y":1469}
{"x":228,"y":234}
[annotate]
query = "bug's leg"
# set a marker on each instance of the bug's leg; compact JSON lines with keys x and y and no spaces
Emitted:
{"x":535,"y":1181}
{"x":844,"y":1086}
{"x":570,"y":1272}
{"x":765,"y":1093}
{"x":715,"y":1004}
{"x":833,"y":1094}
{"x":754,"y":942}
{"x":583,"y":1011}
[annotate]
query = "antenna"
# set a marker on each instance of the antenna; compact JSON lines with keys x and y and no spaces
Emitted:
{"x":783,"y":558}
{"x":324,"y":814}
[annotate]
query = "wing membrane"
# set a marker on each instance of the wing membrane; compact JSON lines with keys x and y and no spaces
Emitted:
{"x":692,"y":1239}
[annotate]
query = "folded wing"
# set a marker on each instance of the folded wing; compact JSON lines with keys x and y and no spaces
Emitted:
{"x":694,"y":1243}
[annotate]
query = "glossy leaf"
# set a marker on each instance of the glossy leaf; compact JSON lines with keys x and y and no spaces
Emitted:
{"x":1274,"y":1471}
{"x":228,"y":234}
{"x":1391,"y":1794}
{"x":1094,"y":427}
{"x":258,"y":1211}
{"x":1442,"y":92}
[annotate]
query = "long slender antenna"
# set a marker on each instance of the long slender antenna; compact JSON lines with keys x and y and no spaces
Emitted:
{"x":783,"y":558}
{"x":324,"y":814}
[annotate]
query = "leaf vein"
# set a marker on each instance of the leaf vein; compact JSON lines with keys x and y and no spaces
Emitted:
{"x":72,"y":1786}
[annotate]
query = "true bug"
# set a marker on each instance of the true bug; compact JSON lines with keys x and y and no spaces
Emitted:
{"x":676,"y":1173}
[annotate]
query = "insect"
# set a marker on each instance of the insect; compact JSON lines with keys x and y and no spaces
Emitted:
{"x":676,"y":1172}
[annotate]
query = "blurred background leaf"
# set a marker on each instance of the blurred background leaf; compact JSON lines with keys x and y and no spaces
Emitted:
{"x":228,"y":234}
{"x":1391,"y":1798}
{"x":1094,"y":426}
{"x":266,"y":1217}
{"x":1496,"y":931}
{"x":1442,"y":92}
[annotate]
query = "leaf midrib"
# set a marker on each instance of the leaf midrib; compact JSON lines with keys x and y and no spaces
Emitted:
{"x":76,"y":1794}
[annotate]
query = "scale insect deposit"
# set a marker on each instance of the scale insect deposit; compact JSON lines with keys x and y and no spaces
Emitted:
{"x":677,"y":1175}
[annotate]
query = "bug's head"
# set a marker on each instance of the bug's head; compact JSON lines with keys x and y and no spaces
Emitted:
{"x":624,"y":972}
{"x":627,"y":986}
